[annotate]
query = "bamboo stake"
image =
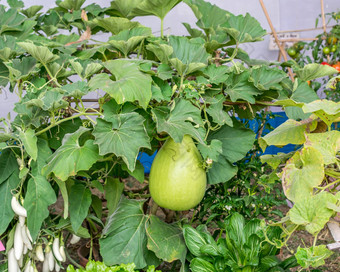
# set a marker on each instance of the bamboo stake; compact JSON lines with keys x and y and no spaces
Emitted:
{"x":324,"y":22}
{"x":299,"y":30}
{"x":283,"y":52}
{"x":323,"y":17}
{"x":298,"y":39}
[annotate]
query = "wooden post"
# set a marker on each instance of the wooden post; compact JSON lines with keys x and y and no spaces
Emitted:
{"x":283,"y":52}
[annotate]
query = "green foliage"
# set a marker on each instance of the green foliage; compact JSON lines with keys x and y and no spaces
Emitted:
{"x":243,"y":247}
{"x":93,"y":266}
{"x":64,"y":145}
{"x":143,"y":240}
{"x":310,"y":178}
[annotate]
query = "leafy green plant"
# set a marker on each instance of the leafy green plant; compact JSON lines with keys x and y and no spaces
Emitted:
{"x":324,"y":50}
{"x":93,"y":266}
{"x":253,"y":191}
{"x":240,"y":246}
{"x":310,"y":176}
{"x":64,"y":156}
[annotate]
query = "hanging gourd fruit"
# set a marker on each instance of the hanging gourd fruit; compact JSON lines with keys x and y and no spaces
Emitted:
{"x":177,"y":179}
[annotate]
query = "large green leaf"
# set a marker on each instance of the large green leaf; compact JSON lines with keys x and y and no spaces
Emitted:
{"x":290,"y":132}
{"x":303,"y":172}
{"x":194,"y":240}
{"x":20,"y":69}
{"x":124,"y":239}
{"x":130,"y":83}
{"x":40,"y":53}
{"x":209,"y":16}
{"x":57,"y":133}
{"x":326,"y":110}
{"x":44,"y":152}
{"x":266,"y":78}
{"x":159,"y":8}
{"x":8,"y":164}
{"x":113,"y":192}
{"x":6,"y":212}
{"x":80,"y":201}
{"x":71,"y":157}
{"x":201,"y":265}
{"x":314,"y":70}
{"x":189,"y":55}
{"x":127,"y":40}
{"x":216,"y":74}
{"x":115,"y":24}
{"x":217,"y":112}
{"x":313,"y":256}
{"x":238,"y":87}
{"x":76,"y":89}
{"x":177,"y":121}
{"x":124,"y":7}
{"x":165,"y":240}
{"x":49,"y":100}
{"x":162,"y":51}
{"x":10,"y":20}
{"x":327,"y":143}
{"x":302,"y":93}
{"x":244,"y":28}
{"x":236,"y":141}
{"x":71,"y":5}
{"x":211,"y":151}
{"x":28,"y":115}
{"x":122,"y":135}
{"x":4,"y":74}
{"x":39,"y":196}
{"x":312,"y":212}
{"x":29,"y":141}
{"x":221,"y":171}
{"x":31,"y":11}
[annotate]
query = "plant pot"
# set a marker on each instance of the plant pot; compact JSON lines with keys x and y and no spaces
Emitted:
{"x":84,"y":252}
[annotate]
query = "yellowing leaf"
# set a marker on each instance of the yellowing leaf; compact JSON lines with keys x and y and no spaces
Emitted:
{"x":290,"y":132}
{"x":303,"y":172}
{"x":328,"y":144}
{"x":312,"y":211}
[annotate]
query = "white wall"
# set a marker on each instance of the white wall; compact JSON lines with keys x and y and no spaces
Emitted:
{"x":285,"y":15}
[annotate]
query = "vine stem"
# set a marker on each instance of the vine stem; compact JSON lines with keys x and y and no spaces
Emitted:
{"x":154,"y":208}
{"x":64,"y":120}
{"x":162,"y":28}
{"x":328,"y":185}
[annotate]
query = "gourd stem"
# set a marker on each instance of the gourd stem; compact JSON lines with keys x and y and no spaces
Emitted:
{"x":154,"y":208}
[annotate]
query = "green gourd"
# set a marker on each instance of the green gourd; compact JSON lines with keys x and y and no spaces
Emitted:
{"x":177,"y":179}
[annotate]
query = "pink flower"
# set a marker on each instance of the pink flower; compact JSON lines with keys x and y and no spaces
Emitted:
{"x":2,"y":248}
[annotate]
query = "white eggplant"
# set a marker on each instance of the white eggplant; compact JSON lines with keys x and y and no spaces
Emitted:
{"x":22,"y":220}
{"x":75,"y":239}
{"x":28,"y":266}
{"x":25,"y":250}
{"x":25,"y":239}
{"x":17,"y":208}
{"x":12,"y":262}
{"x":18,"y":243}
{"x":51,"y":261}
{"x":21,"y":261}
{"x":39,"y":253}
{"x":28,"y":234}
{"x":45,"y":267}
{"x":62,"y":253}
{"x":55,"y":249}
{"x":57,"y":267}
